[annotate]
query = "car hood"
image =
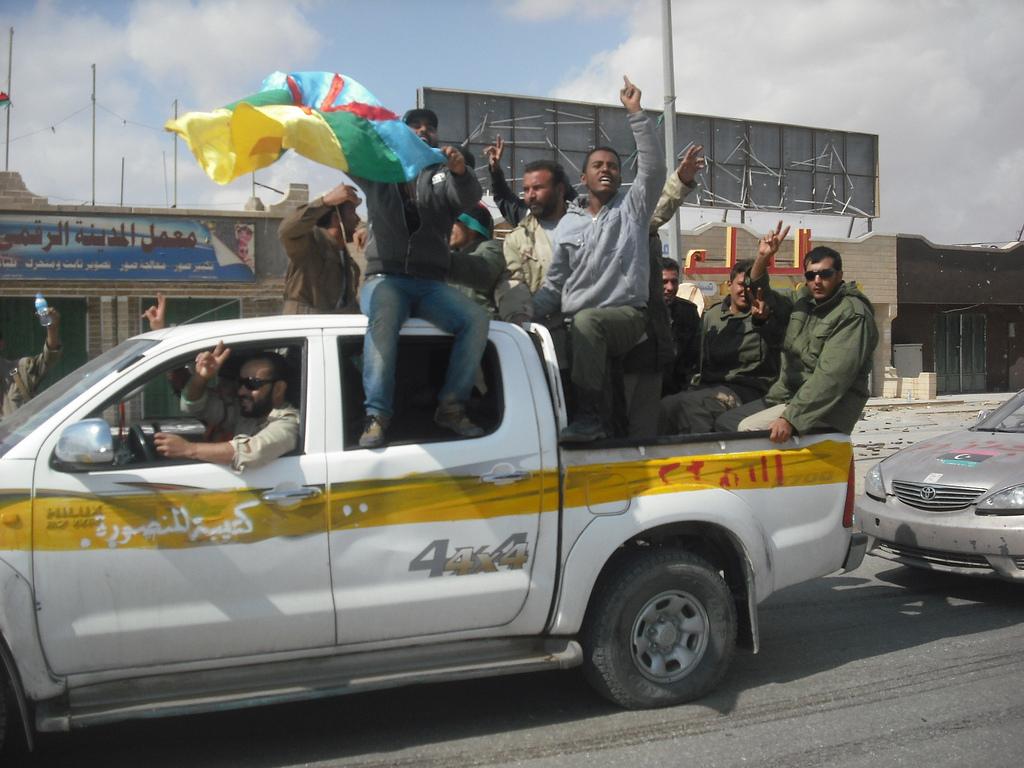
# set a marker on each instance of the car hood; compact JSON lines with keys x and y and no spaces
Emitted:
{"x":965,"y":458}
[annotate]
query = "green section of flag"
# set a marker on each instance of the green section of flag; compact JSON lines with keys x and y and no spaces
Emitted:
{"x":367,"y":153}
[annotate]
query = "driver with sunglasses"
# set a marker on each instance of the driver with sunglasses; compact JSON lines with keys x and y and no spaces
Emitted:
{"x":264,"y":423}
{"x":826,"y":357}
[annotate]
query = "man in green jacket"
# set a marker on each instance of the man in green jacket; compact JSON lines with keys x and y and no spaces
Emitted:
{"x":477,"y":259}
{"x":740,"y":347}
{"x":826,"y":358}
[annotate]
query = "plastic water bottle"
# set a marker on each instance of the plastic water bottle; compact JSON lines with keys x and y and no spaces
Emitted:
{"x":43,"y":310}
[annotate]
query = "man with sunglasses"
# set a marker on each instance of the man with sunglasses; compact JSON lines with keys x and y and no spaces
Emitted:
{"x":826,"y":357}
{"x":264,"y":424}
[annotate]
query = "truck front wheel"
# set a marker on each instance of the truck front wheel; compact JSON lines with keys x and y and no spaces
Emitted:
{"x":661,"y":630}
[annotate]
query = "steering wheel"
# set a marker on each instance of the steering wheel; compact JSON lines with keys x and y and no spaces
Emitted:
{"x":141,"y":443}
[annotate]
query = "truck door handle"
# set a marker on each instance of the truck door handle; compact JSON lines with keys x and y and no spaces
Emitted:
{"x":290,"y":496}
{"x":501,"y":477}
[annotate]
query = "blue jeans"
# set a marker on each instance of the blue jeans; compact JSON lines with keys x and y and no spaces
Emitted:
{"x":388,"y":301}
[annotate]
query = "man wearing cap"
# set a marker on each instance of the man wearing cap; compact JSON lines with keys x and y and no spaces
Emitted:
{"x":477,"y":259}
{"x":600,"y":273}
{"x":325,"y":262}
{"x":407,"y":265}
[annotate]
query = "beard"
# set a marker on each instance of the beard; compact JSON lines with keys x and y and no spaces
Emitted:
{"x":257,"y":409}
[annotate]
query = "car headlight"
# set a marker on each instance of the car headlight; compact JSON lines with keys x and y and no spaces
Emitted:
{"x":1009,"y":501}
{"x":873,"y":485}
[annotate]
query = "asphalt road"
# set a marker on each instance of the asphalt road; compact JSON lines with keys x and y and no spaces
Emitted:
{"x":885,"y":666}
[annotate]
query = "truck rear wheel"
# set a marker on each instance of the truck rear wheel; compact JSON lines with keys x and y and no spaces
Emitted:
{"x":661,"y":631}
{"x":3,"y":708}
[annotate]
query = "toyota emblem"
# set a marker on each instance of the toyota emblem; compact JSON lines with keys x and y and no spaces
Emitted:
{"x":927,"y":493}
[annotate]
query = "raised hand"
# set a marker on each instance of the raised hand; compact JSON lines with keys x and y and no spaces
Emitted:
{"x":630,"y":96}
{"x":341,"y":194}
{"x":691,"y":164}
{"x":209,"y":363}
{"x":456,"y":162}
{"x":157,"y":313}
{"x":769,"y":244}
{"x":494,"y":152}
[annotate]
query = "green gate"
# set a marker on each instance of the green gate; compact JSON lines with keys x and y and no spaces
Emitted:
{"x":960,"y":353}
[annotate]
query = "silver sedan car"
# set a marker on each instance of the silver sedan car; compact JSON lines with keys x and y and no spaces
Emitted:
{"x":953,"y":503}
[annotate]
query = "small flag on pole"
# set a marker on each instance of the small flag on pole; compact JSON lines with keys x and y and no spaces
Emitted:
{"x":5,"y":100}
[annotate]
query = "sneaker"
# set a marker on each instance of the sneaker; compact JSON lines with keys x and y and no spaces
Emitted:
{"x":453,"y":417}
{"x":373,"y":432}
{"x":585,"y":429}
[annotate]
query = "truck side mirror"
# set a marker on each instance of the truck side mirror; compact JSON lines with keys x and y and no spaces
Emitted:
{"x":84,"y":444}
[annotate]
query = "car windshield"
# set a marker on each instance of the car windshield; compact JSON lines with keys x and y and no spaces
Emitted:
{"x":1009,"y":417}
{"x":20,"y":424}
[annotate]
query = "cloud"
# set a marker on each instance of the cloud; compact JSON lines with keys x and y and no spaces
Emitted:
{"x":217,"y":52}
{"x":204,"y":55}
{"x":544,"y":10}
{"x":938,"y":82}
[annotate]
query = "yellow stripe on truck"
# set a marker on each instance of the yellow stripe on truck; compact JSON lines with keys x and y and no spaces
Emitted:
{"x":819,"y":464}
{"x":179,"y":518}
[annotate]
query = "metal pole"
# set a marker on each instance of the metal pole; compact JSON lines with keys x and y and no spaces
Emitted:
{"x":669,"y":118}
{"x":7,"y":135}
{"x":175,"y":158}
{"x":122,"y":181}
{"x":94,"y":134}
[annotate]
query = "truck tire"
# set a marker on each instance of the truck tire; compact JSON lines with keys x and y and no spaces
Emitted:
{"x":3,"y":708}
{"x":661,"y":630}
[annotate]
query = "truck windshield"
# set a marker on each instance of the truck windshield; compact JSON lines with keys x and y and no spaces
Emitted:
{"x":19,"y":424}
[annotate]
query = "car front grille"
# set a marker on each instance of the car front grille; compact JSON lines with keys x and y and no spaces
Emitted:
{"x":934,"y":557}
{"x":935,"y":498}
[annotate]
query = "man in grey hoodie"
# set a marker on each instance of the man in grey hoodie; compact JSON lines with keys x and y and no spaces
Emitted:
{"x":600,"y":271}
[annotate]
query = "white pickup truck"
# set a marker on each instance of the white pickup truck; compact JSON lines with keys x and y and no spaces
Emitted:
{"x":134,"y":586}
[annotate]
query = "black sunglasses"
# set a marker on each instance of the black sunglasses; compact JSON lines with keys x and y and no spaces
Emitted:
{"x":824,"y":274}
{"x":252,"y":383}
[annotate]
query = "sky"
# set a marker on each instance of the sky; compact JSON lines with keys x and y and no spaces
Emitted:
{"x":937,"y":80}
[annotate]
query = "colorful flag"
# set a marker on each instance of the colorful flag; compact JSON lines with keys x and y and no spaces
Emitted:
{"x":327,"y":117}
{"x":5,"y":100}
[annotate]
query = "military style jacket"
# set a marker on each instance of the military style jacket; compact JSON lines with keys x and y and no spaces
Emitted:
{"x":826,"y":359}
{"x":20,"y":378}
{"x":741,"y":352}
{"x":321,"y":278}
